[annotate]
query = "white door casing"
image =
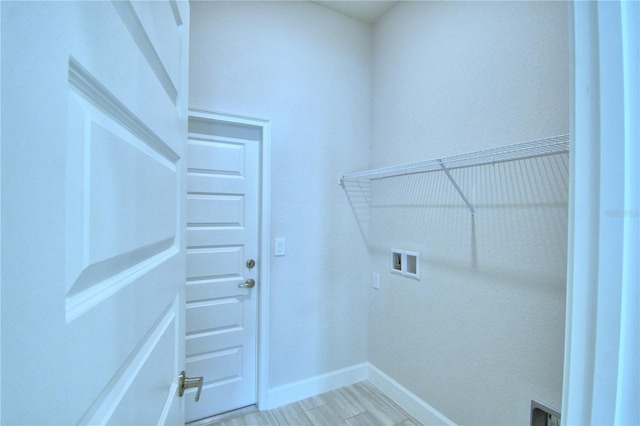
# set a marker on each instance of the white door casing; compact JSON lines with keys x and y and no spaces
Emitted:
{"x":93,"y":181}
{"x":224,"y":174}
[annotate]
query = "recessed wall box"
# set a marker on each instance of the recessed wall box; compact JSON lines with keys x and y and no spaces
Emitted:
{"x":397,"y":261}
{"x":406,"y":263}
{"x":543,"y":416}
{"x":412,"y":265}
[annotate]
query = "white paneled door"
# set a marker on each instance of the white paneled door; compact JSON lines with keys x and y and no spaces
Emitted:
{"x":94,"y":134}
{"x":223,"y":262}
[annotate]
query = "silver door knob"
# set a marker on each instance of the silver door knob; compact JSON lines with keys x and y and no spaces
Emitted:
{"x":185,"y":382}
{"x":250,"y":283}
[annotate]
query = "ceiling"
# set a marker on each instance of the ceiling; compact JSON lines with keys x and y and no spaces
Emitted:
{"x":367,"y":11}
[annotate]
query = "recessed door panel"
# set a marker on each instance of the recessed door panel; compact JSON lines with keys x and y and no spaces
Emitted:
{"x":214,"y":316}
{"x":215,"y":157}
{"x":214,"y":262}
{"x":228,"y":208}
{"x":226,"y":365}
{"x":210,"y":289}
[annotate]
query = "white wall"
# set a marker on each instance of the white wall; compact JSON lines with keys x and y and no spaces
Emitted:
{"x":452,"y":77}
{"x":482,"y":332}
{"x":308,"y":70}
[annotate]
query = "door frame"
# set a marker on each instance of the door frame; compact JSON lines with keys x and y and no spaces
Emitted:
{"x":264,"y":239}
{"x":603,"y":188}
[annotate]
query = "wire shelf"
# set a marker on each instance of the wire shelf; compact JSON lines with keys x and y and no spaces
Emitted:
{"x":519,"y":151}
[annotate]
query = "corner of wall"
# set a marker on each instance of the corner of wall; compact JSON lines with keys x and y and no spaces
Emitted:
{"x":312,"y":386}
{"x":422,"y":411}
{"x":307,"y":388}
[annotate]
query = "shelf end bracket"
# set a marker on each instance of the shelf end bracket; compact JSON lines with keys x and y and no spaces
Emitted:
{"x":455,"y":185}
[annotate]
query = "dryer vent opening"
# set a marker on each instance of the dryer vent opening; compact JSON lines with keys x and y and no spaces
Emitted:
{"x":543,"y":416}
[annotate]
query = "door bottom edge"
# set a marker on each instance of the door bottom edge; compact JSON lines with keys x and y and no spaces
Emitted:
{"x":224,"y":416}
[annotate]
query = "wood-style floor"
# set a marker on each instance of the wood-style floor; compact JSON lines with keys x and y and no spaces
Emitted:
{"x":358,"y":404}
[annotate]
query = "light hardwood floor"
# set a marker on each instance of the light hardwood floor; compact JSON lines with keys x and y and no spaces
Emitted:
{"x":358,"y":404}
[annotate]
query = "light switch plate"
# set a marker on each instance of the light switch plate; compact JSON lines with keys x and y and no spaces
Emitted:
{"x":376,"y":281}
{"x":279,"y":247}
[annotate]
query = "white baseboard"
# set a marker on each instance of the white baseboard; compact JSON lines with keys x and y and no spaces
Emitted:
{"x":423,"y":412}
{"x":297,"y":391}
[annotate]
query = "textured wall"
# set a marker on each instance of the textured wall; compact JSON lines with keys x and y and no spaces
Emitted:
{"x":453,"y":77}
{"x":308,"y":70}
{"x":482,"y":332}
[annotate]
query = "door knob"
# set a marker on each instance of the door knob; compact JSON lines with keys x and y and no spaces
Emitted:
{"x":250,"y":283}
{"x":185,"y":383}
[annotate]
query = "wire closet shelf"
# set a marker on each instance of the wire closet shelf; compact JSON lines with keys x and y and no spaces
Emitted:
{"x":519,"y":151}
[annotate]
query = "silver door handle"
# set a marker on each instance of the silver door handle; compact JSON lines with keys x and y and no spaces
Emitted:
{"x":185,"y":382}
{"x":250,"y":283}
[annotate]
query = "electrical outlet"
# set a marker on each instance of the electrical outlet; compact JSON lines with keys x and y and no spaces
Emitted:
{"x":376,"y":281}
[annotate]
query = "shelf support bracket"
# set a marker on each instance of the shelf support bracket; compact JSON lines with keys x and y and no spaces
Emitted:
{"x":455,"y":185}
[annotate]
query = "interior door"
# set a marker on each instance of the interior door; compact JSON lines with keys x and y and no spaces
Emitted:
{"x":94,"y":130}
{"x":222,"y":262}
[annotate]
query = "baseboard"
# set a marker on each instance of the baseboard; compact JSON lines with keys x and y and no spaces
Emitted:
{"x":297,"y":391}
{"x":423,"y":412}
